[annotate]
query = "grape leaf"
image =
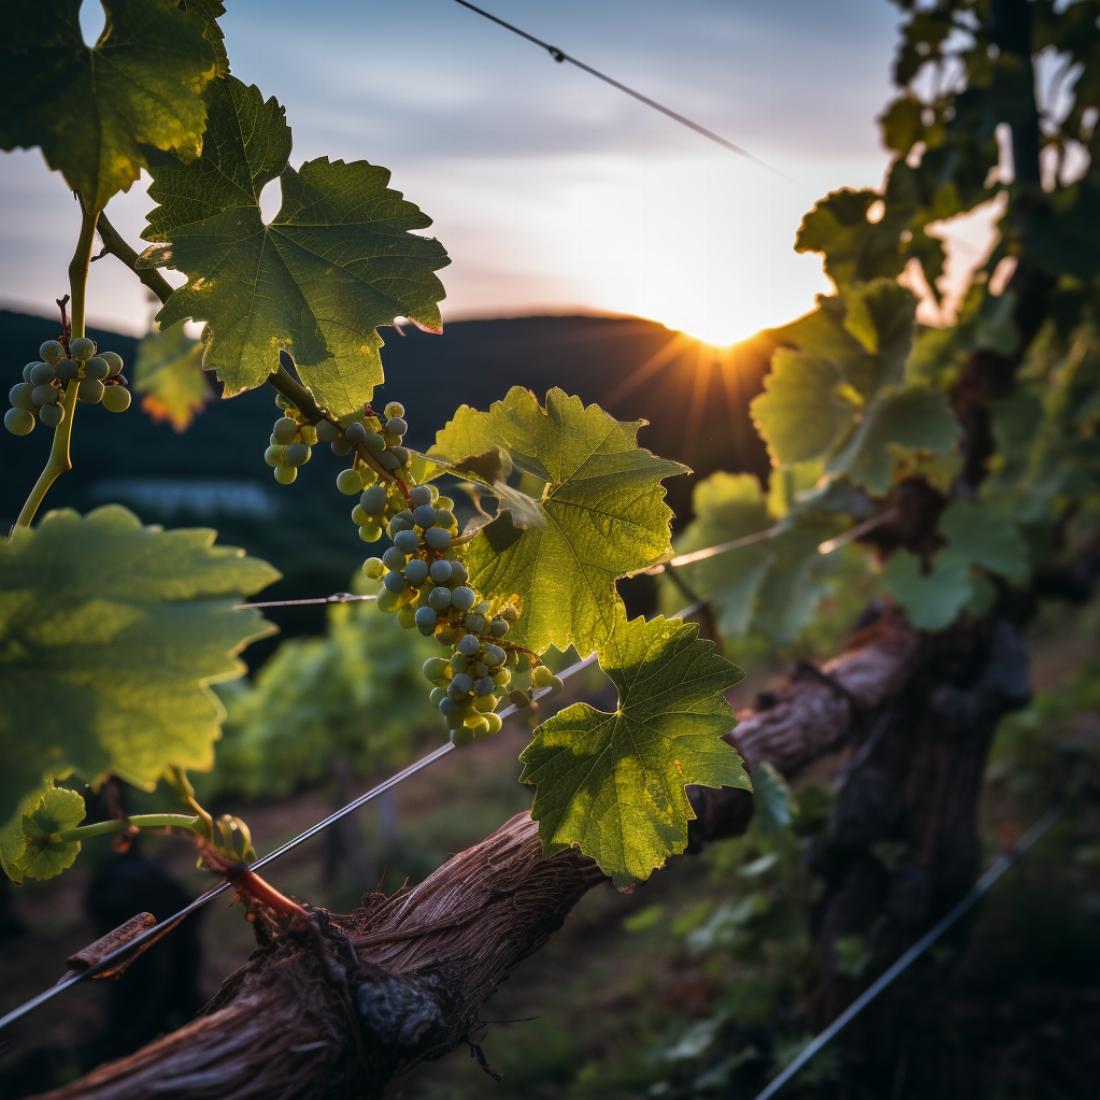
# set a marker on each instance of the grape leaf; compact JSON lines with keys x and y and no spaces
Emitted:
{"x":979,"y":536}
{"x":855,"y":248}
{"x":802,"y":413}
{"x":603,"y":513}
{"x":210,"y":11}
{"x":898,"y":421}
{"x":337,"y":261}
{"x":95,"y":112}
{"x":933,"y":599}
{"x":772,"y":585}
{"x":111,"y":635}
{"x":28,"y":848}
{"x":168,"y":371}
{"x":614,"y":783}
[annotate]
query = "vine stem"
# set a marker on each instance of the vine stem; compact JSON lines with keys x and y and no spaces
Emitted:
{"x":60,"y":458}
{"x":190,"y":822}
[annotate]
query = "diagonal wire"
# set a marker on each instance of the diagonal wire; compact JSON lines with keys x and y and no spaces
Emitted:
{"x":115,"y":957}
{"x":996,"y":871}
{"x":560,"y":55}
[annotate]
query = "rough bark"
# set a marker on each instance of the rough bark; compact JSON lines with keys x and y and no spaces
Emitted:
{"x":339,"y":1012}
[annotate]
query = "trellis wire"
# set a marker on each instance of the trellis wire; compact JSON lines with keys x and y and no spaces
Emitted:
{"x":996,"y":871}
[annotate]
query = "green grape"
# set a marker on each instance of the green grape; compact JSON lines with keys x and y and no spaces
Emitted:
{"x":285,"y":429}
{"x":445,"y":520}
{"x":437,"y":696}
{"x":359,"y":515}
{"x":308,"y":434}
{"x":541,"y":676}
{"x":44,"y":395}
{"x":349,"y":482}
{"x":91,"y":391}
{"x":51,"y":351}
{"x":326,"y":431}
{"x":42,"y":374}
{"x":286,"y":475}
{"x":494,"y":723}
{"x":273,"y":456}
{"x":341,"y":448}
{"x":27,"y":370}
{"x":394,"y":408}
{"x":444,"y":504}
{"x":485,"y":703}
{"x":82,"y":348}
{"x":501,"y":678}
{"x":114,"y":362}
{"x":435,"y":669}
{"x":388,"y":601}
{"x":406,"y":618}
{"x":494,"y":655}
{"x":476,"y":724}
{"x":461,"y":737}
{"x":416,"y":572}
{"x":97,"y":367}
{"x":373,"y":568}
{"x":370,"y":532}
{"x":116,"y":399}
{"x":437,"y":539}
{"x":297,"y":454}
{"x":20,"y":396}
{"x":356,"y":433}
{"x":19,"y":421}
{"x":373,"y":500}
{"x":421,"y":494}
{"x":51,"y":415}
{"x":68,"y":369}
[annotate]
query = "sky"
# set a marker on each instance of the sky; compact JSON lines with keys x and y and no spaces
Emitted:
{"x":551,"y":191}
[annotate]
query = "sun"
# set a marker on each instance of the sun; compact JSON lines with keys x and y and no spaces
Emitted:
{"x":703,"y":247}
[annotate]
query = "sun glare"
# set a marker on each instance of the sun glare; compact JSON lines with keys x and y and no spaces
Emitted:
{"x":713,"y":259}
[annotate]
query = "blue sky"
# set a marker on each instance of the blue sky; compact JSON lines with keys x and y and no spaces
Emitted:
{"x":550,"y":190}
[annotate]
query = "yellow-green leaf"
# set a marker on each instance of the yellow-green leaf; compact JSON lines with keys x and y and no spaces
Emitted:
{"x":613,"y":783}
{"x":168,"y":373}
{"x":110,"y":635}
{"x":602,"y":512}
{"x":29,"y":844}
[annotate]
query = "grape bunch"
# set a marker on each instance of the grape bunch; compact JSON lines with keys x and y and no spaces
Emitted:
{"x":291,"y":442}
{"x":98,"y":378}
{"x":427,"y":587}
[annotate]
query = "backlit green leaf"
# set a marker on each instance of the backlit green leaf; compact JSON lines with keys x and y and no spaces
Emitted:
{"x":337,"y":261}
{"x":29,"y":846}
{"x":602,"y":509}
{"x":95,"y":112}
{"x":614,"y":783}
{"x":168,"y":372}
{"x":110,"y":635}
{"x":931,"y":600}
{"x":980,"y":536}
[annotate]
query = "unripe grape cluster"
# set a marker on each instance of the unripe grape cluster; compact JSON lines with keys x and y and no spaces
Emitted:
{"x":98,"y":377}
{"x":291,"y":442}
{"x":428,"y":588}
